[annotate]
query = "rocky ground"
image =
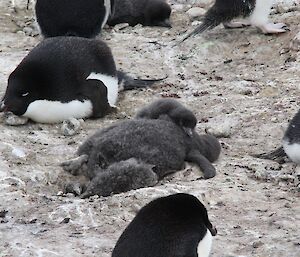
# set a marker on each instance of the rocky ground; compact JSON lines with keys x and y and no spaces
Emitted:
{"x":243,"y":86}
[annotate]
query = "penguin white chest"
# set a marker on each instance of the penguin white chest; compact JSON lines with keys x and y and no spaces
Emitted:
{"x":261,"y":11}
{"x":45,"y":111}
{"x":111,"y":84}
{"x":204,"y":245}
{"x":292,"y":151}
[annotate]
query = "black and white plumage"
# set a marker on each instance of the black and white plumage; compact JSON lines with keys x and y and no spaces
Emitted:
{"x":157,"y":142}
{"x":171,"y":108}
{"x":290,"y":144}
{"x":172,"y":226}
{"x":66,"y":77}
{"x":82,"y":18}
{"x":255,"y":11}
{"x":145,"y":12}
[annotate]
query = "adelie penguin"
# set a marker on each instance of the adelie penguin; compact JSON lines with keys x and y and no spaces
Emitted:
{"x":82,"y":18}
{"x":172,"y":226}
{"x":66,"y":77}
{"x":255,"y":11}
{"x":290,"y":144}
{"x":138,"y":153}
{"x":145,"y":12}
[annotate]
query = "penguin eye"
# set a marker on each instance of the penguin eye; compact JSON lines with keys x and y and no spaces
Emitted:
{"x":25,"y":94}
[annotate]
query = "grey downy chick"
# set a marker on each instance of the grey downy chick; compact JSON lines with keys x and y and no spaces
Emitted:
{"x":168,"y":108}
{"x":159,"y":143}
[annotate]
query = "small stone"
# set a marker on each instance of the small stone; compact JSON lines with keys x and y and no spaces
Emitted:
{"x":196,"y":12}
{"x":295,"y":43}
{"x":19,"y":153}
{"x":65,"y":220}
{"x":3,"y":213}
{"x":14,"y":120}
{"x":70,"y":127}
{"x":257,"y":244}
{"x":121,"y":26}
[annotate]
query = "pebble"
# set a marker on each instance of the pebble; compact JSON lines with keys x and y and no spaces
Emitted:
{"x":195,"y":12}
{"x":71,"y":127}
{"x":13,"y":120}
{"x":295,"y":43}
{"x":19,"y":153}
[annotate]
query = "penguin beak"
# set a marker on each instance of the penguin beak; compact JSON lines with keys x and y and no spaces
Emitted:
{"x":188,"y":131}
{"x":213,"y":230}
{"x":166,"y":23}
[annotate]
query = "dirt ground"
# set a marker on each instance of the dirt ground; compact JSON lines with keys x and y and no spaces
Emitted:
{"x":242,"y":86}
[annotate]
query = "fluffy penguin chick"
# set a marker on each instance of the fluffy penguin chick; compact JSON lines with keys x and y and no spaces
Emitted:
{"x":145,"y":12}
{"x":66,"y":77}
{"x":171,"y":108}
{"x":72,"y":18}
{"x":290,"y":144}
{"x":159,"y":143}
{"x":172,"y":226}
{"x":256,"y":12}
{"x":121,"y":177}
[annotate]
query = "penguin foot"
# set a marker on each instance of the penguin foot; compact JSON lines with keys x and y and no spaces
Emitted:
{"x":274,"y":28}
{"x":74,"y":166}
{"x":235,"y":24}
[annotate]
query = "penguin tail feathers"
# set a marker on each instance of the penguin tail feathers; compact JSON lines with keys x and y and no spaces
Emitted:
{"x":126,"y":82}
{"x":277,"y":155}
{"x":206,"y":25}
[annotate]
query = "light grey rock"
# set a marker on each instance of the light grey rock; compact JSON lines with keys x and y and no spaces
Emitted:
{"x":70,"y":127}
{"x":196,"y":12}
{"x":13,"y":120}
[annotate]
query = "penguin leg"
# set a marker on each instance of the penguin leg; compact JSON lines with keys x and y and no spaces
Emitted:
{"x":204,"y":164}
{"x":273,"y":28}
{"x":235,"y":24}
{"x":74,"y":166}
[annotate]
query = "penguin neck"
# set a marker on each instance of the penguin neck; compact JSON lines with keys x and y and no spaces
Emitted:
{"x":204,"y":245}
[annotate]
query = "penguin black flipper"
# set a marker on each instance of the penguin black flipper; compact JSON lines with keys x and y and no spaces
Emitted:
{"x":126,"y":82}
{"x":221,"y":12}
{"x":96,"y":89}
{"x":277,"y":155}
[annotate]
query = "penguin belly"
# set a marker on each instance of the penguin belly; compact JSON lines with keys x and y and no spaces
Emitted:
{"x":292,"y":150}
{"x":45,"y":111}
{"x":204,"y":245}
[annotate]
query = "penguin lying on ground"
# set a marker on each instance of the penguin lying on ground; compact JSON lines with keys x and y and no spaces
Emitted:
{"x":66,"y":77}
{"x":157,"y":142}
{"x":172,"y":226}
{"x":256,"y":12}
{"x":290,"y":144}
{"x":82,"y":18}
{"x":158,"y":109}
{"x":145,"y":12}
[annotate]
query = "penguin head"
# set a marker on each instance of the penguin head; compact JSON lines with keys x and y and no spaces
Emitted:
{"x":184,"y":118}
{"x":157,"y":13}
{"x":195,"y":209}
{"x":19,"y":94}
